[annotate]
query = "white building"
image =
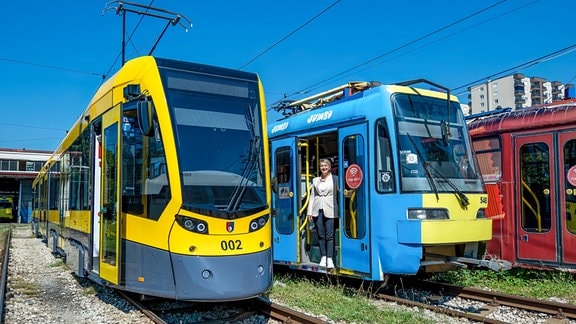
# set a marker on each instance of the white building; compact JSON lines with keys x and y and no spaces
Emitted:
{"x":514,"y":91}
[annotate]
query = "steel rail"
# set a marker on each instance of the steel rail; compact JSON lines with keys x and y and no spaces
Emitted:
{"x":557,"y":309}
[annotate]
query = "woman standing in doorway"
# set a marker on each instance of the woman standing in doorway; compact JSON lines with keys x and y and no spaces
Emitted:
{"x":322,"y":210}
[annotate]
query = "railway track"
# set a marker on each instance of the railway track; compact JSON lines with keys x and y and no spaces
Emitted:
{"x":237,"y":313}
{"x":556,"y":309}
{"x":4,"y":255}
{"x":158,"y":311}
{"x":438,"y":299}
{"x":490,"y":302}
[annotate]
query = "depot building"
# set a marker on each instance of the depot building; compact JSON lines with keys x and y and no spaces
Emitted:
{"x":18,"y":168}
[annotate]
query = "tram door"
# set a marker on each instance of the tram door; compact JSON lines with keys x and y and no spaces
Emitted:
{"x":353,"y":199}
{"x":567,"y":194}
{"x":110,"y":224}
{"x":536,"y":212}
{"x":284,"y":202}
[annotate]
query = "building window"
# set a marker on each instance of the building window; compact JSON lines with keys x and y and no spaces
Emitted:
{"x":9,"y":165}
{"x":481,"y":96}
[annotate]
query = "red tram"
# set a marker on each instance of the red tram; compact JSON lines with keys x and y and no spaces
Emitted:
{"x":528,"y":161}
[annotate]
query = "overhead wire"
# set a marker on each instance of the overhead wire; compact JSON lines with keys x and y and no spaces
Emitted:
{"x":525,"y":65}
{"x":289,"y":34}
{"x":59,"y":68}
{"x":399,"y":48}
{"x":447,"y":36}
{"x":34,"y":127}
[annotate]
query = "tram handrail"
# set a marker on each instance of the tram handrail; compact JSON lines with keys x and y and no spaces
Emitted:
{"x":353,"y":214}
{"x":308,"y":188}
{"x":527,"y":204}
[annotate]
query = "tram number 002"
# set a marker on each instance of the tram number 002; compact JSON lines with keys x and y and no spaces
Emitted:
{"x":231,"y":245}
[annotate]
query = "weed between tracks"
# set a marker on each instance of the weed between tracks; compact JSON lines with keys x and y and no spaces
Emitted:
{"x":339,"y":303}
{"x":26,"y":288}
{"x":523,"y":282}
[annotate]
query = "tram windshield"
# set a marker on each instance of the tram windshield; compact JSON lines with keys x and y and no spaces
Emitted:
{"x":434,"y":146}
{"x":218,"y":129}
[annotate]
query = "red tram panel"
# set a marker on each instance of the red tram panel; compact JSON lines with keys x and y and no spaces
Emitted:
{"x":528,"y":161}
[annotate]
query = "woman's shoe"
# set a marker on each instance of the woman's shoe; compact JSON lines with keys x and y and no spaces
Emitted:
{"x":329,"y":263}
{"x":322,"y":262}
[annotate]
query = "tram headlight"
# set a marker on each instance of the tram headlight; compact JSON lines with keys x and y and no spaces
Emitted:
{"x":258,"y":223}
{"x":427,"y":213}
{"x":192,"y":224}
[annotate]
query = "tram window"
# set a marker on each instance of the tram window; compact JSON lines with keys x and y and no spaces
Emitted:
{"x":285,"y":208}
{"x":384,"y":163}
{"x":535,"y":187}
{"x":283,"y":165}
{"x":75,"y":179}
{"x":54,"y":189}
{"x":489,"y":156}
{"x":355,"y":203}
{"x":570,"y":190}
{"x":145,"y":190}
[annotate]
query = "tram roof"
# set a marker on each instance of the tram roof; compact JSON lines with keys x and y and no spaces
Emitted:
{"x":524,"y":119}
{"x":347,"y":109}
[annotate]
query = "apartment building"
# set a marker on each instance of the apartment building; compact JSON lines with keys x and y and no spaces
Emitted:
{"x":514,"y":91}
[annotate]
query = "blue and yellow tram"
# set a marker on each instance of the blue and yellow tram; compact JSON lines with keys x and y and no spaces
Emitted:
{"x":410,"y":197}
{"x":162,"y":185}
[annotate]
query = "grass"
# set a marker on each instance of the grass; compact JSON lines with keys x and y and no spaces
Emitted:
{"x":25,"y":288}
{"x":523,"y":282}
{"x":342,"y":304}
{"x":336,"y":302}
{"x":56,"y":263}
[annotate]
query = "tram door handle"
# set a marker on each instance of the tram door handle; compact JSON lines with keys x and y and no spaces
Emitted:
{"x":524,"y":237}
{"x":363,"y":247}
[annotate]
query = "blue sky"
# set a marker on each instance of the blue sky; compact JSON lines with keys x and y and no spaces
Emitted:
{"x":53,"y":54}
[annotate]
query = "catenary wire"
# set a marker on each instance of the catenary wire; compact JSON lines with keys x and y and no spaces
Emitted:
{"x":398,"y":48}
{"x":59,"y":68}
{"x":445,"y":37}
{"x":35,"y":127}
{"x":525,"y":65}
{"x":289,"y":34}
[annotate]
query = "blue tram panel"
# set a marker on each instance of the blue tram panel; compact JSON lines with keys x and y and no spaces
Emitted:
{"x":129,"y":201}
{"x":410,"y":197}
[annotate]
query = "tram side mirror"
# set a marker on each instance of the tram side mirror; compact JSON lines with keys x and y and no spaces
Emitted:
{"x":145,"y":111}
{"x":274,"y":184}
{"x":444,"y":127}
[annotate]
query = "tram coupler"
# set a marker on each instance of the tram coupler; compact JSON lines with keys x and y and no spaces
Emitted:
{"x":492,"y":264}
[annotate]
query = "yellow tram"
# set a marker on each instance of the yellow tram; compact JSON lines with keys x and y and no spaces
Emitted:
{"x":161,"y":187}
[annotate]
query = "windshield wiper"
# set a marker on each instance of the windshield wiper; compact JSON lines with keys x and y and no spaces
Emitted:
{"x":462,"y":198}
{"x":429,"y":176}
{"x":251,"y":163}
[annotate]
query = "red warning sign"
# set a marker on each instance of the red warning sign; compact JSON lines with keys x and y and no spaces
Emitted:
{"x":571,"y":175}
{"x":354,"y":176}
